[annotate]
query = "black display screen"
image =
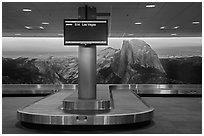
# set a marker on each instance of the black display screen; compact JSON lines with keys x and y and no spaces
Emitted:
{"x":85,"y":32}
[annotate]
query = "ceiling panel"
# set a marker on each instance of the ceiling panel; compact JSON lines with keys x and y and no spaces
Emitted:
{"x":121,"y":22}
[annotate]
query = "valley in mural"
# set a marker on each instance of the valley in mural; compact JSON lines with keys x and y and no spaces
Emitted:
{"x":134,"y":63}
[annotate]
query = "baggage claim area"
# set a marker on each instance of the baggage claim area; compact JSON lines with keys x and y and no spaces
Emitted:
{"x":120,"y":81}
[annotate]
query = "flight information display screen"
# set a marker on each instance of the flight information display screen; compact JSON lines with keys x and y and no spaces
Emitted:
{"x":85,"y":32}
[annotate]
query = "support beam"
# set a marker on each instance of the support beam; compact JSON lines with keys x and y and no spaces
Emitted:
{"x":87,"y":61}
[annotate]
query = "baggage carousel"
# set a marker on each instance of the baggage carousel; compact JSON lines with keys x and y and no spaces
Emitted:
{"x":174,"y":104}
{"x":125,"y":107}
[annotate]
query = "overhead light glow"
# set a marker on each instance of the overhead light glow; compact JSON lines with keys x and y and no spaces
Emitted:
{"x":45,"y":23}
{"x":173,"y":34}
{"x":28,"y":27}
{"x":162,"y":27}
{"x":176,"y":27}
{"x":138,"y":23}
{"x":41,"y":27}
{"x":150,"y":6}
{"x":26,"y":10}
{"x":195,"y":22}
{"x":130,"y":34}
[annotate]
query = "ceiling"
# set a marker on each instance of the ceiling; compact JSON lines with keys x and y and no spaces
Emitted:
{"x":122,"y":19}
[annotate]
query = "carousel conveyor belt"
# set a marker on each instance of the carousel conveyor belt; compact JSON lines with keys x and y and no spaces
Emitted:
{"x":127,"y":107}
{"x":140,"y":89}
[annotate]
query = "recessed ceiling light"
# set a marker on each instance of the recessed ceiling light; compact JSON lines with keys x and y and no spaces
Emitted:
{"x":150,"y":6}
{"x":45,"y":23}
{"x":17,"y":34}
{"x":41,"y":27}
{"x":173,"y":34}
{"x":138,"y":23}
{"x":34,"y":27}
{"x":162,"y":27}
{"x":176,"y":27}
{"x":28,"y":27}
{"x":130,"y":34}
{"x":26,"y":10}
{"x":195,"y":22}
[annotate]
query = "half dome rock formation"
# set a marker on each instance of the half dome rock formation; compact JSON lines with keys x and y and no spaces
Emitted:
{"x":137,"y":52}
{"x":137,"y":62}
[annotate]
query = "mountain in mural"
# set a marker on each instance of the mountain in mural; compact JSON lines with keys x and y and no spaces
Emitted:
{"x":183,"y":69}
{"x":135,"y":62}
{"x":40,"y":71}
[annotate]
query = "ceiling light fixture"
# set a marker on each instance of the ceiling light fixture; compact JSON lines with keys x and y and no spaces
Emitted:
{"x":150,"y":6}
{"x":130,"y":34}
{"x":195,"y":22}
{"x":138,"y":23}
{"x":26,"y":10}
{"x":28,"y":27}
{"x":162,"y":27}
{"x":176,"y":27}
{"x":45,"y":23}
{"x":41,"y":27}
{"x":60,"y":34}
